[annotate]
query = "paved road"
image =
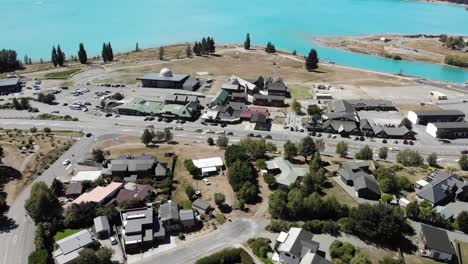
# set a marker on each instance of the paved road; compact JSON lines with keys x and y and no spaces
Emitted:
{"x":17,"y":244}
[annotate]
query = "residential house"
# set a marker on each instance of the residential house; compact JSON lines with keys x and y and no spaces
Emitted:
{"x":276,"y":87}
{"x":102,"y":227}
{"x":10,"y":85}
{"x":392,"y":132}
{"x":344,"y":128}
{"x":69,"y":247}
{"x":160,"y":171}
{"x":74,"y":190}
{"x":219,"y":99}
{"x":268,"y":100}
{"x":238,"y":97}
{"x":140,"y":230}
{"x":201,"y":206}
{"x":133,"y":191}
{"x":285,"y":172}
{"x":442,"y":188}
{"x":86,"y":176}
{"x":356,"y":174}
{"x":372,"y":105}
{"x":297,"y":247}
{"x":142,"y":166}
{"x":435,"y":243}
{"x":100,"y":194}
{"x":169,"y":215}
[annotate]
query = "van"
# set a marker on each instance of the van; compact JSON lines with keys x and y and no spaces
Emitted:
{"x":179,"y":128}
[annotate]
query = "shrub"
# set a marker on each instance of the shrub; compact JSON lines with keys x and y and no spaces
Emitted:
{"x":342,"y":251}
{"x":39,"y":257}
{"x":226,"y":256}
{"x":260,"y":246}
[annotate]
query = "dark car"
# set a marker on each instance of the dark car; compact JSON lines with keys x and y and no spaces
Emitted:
{"x":88,"y":134}
{"x":108,"y":115}
{"x":229,"y":133}
{"x":150,"y":118}
{"x":258,"y":135}
{"x":362,"y":138}
{"x":250,"y":135}
{"x":223,"y":125}
{"x":268,"y":137}
{"x":464,"y":151}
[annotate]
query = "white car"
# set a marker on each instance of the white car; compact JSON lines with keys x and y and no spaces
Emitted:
{"x":179,"y":128}
{"x":113,"y":240}
{"x":395,"y":149}
{"x":199,"y":130}
{"x":221,"y":132}
{"x":206,"y":181}
{"x":66,"y":162}
{"x":209,"y":131}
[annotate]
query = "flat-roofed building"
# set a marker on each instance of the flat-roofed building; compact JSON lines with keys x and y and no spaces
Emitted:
{"x":69,"y":247}
{"x":10,"y":85}
{"x":99,"y":194}
{"x":86,"y":176}
{"x":423,"y":117}
{"x":448,"y":130}
{"x":102,"y":227}
{"x":167,"y":79}
{"x":209,"y":166}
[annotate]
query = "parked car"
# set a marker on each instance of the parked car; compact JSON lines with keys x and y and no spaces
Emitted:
{"x":179,"y":128}
{"x":55,"y":112}
{"x":250,"y":135}
{"x":199,"y":130}
{"x":113,"y":240}
{"x":394,"y":149}
{"x":108,"y":115}
{"x":206,"y":181}
{"x":230,"y":133}
{"x":66,"y":162}
{"x":268,"y":137}
{"x":220,"y":132}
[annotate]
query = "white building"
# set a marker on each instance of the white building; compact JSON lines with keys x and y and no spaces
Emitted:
{"x":438,"y":95}
{"x":324,"y":96}
{"x":86,"y":176}
{"x":209,"y":166}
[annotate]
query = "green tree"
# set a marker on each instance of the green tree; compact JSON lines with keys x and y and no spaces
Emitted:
{"x":234,"y":153}
{"x":290,"y":150}
{"x":42,"y":205}
{"x":24,"y":103}
{"x":413,"y":210}
{"x":222,"y":142}
{"x":365,"y":153}
{"x":316,"y":163}
{"x":80,"y":215}
{"x":409,"y":157}
{"x":383,"y":153}
{"x":54,"y":56}
{"x":406,"y":123}
{"x":2,"y":154}
{"x":343,"y":251}
{"x":295,"y":202}
{"x":137,"y":48}
{"x":168,"y":136}
{"x":463,"y":162}
{"x":47,"y":130}
{"x":312,"y":60}
{"x":190,"y":192}
{"x":360,"y":258}
{"x":98,"y":155}
{"x":87,"y":256}
{"x":247,"y":42}
{"x":82,"y":56}
{"x":146,"y":137}
{"x":8,"y":60}
{"x":314,"y":110}
{"x":190,"y":167}
{"x":161,"y":53}
{"x":240,"y":172}
{"x":462,"y":221}
{"x":342,"y":149}
{"x":248,"y":193}
{"x":210,"y":141}
{"x":277,"y":203}
{"x":270,"y":48}
{"x":296,"y":106}
{"x":219,"y":199}
{"x":188,"y":51}
{"x":110,"y":52}
{"x":57,"y":187}
{"x":39,"y":257}
{"x":432,"y":160}
{"x":33,"y":130}
{"x":16,"y":104}
{"x":105,"y":53}
{"x":60,"y":56}
{"x":306,"y":147}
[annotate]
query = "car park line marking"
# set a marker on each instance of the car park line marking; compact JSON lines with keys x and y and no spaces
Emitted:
{"x":68,"y":167}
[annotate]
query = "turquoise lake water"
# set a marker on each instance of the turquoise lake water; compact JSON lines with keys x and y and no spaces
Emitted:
{"x":33,"y":26}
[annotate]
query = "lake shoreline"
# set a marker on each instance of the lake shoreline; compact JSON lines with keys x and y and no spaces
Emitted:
{"x":411,"y":47}
{"x":439,"y":2}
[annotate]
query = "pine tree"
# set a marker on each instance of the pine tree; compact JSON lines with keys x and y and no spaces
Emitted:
{"x":188,"y":51}
{"x":204,"y":46}
{"x":60,"y":56}
{"x":110,"y":52}
{"x":26,"y":59}
{"x":30,"y":61}
{"x":197,"y":48}
{"x":137,"y":49}
{"x":104,"y":52}
{"x":211,"y":45}
{"x":82,"y":56}
{"x":247,"y":42}
{"x":161,"y":53}
{"x":41,"y":61}
{"x":312,"y":60}
{"x":54,"y":57}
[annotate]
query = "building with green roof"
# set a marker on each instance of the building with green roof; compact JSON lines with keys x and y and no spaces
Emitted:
{"x":285,"y":172}
{"x":143,"y":107}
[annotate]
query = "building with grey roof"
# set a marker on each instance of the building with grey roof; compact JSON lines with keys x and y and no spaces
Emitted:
{"x":423,"y":117}
{"x":161,"y":170}
{"x":297,"y":247}
{"x":74,"y":190}
{"x":357,"y":174}
{"x":285,"y":173}
{"x":392,"y":132}
{"x":202,"y":207}
{"x":169,"y":215}
{"x":344,"y":128}
{"x":69,"y":247}
{"x":187,"y":219}
{"x":448,"y":130}
{"x":102,"y":227}
{"x":442,"y":188}
{"x":167,"y":79}
{"x":140,"y":229}
{"x":435,"y":243}
{"x":126,"y":166}
{"x":268,"y":100}
{"x":10,"y":85}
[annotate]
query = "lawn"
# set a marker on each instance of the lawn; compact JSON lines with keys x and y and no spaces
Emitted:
{"x":220,"y":218}
{"x":341,"y":195}
{"x":300,"y":92}
{"x":61,"y":75}
{"x":464,"y":251}
{"x":65,"y":233}
{"x":419,"y":260}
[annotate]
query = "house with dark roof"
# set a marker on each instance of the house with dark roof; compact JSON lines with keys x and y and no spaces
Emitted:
{"x":357,"y":174}
{"x":372,"y":104}
{"x":133,"y":191}
{"x":435,"y":243}
{"x":423,"y":117}
{"x":10,"y":85}
{"x":297,"y":247}
{"x":448,"y":130}
{"x":268,"y":100}
{"x":187,"y":219}
{"x":392,"y":132}
{"x":141,"y":166}
{"x":238,"y":97}
{"x":276,"y":87}
{"x":169,"y":215}
{"x":160,"y":171}
{"x":167,"y":79}
{"x":140,"y":229}
{"x":442,"y":187}
{"x":219,"y":99}
{"x":344,"y":128}
{"x":74,"y":189}
{"x":201,"y":206}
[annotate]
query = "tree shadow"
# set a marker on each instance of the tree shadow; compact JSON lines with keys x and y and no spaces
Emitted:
{"x":8,"y":174}
{"x":7,"y":224}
